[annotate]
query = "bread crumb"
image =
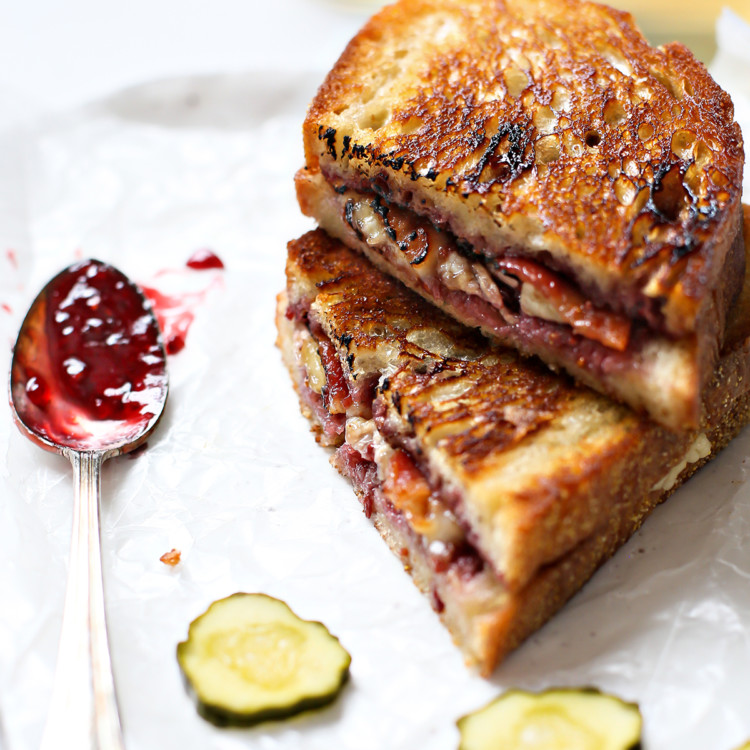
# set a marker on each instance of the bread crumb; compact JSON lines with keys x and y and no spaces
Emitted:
{"x":171,"y":558}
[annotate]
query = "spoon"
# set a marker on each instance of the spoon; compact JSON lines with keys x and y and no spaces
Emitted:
{"x":89,"y":381}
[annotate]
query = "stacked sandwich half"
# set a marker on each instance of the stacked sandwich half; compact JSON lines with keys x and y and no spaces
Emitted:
{"x":522,"y":323}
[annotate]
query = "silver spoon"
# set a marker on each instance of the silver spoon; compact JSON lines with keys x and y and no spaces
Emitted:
{"x":89,"y":381}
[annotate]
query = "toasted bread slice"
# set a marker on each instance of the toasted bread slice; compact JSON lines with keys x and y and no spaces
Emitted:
{"x":502,"y":486}
{"x":586,"y":186}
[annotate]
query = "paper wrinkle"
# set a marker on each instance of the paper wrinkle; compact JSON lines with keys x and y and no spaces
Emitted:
{"x":234,"y":480}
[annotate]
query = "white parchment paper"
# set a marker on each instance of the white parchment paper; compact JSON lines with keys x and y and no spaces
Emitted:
{"x":234,"y":480}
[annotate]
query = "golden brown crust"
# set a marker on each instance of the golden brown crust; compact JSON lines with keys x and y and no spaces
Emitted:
{"x":736,"y":324}
{"x":543,"y":125}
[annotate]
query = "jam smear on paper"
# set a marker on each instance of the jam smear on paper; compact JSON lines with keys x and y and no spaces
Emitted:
{"x":175,"y":316}
{"x":176,"y":310}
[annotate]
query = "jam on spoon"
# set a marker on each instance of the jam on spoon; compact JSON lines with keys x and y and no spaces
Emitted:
{"x":89,"y":381}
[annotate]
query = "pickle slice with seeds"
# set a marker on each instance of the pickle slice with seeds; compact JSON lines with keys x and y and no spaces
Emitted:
{"x":249,"y":659}
{"x":556,"y":719}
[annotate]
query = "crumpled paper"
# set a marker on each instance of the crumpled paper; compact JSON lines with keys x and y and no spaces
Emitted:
{"x":234,"y":480}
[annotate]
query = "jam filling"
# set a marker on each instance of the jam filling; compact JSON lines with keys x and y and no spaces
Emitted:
{"x":375,"y":494}
{"x":516,"y":286}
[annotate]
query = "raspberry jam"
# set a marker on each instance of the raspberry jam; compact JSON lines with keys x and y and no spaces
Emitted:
{"x":176,"y":311}
{"x":89,"y":368}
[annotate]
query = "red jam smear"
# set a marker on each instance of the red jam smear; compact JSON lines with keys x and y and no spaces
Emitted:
{"x":204,"y":259}
{"x":175,"y":316}
{"x":176,"y":311}
{"x":89,"y":360}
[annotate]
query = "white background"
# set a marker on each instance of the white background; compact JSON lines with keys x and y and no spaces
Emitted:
{"x":64,"y":53}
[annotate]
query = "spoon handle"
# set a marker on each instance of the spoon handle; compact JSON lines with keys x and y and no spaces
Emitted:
{"x":83,"y":712}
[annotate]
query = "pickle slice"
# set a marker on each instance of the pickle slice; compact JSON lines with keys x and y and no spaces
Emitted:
{"x":249,"y":659}
{"x":556,"y":719}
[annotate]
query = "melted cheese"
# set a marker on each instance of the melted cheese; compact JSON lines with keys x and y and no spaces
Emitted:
{"x":310,"y":359}
{"x":700,"y":448}
{"x":456,"y":273}
{"x":535,"y":304}
{"x":360,"y":434}
{"x":369,"y":223}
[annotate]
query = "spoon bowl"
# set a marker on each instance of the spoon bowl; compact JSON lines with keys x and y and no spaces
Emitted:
{"x":89,"y":367}
{"x":88,"y":380}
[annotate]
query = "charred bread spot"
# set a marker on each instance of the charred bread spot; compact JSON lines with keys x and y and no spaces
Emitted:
{"x":508,"y":154}
{"x":593,"y":139}
{"x":671,"y":203}
{"x":379,"y":207}
{"x":329,"y":136}
{"x":394,"y":163}
{"x":679,"y":252}
{"x":332,"y":281}
{"x":668,"y":195}
{"x":421,"y":256}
